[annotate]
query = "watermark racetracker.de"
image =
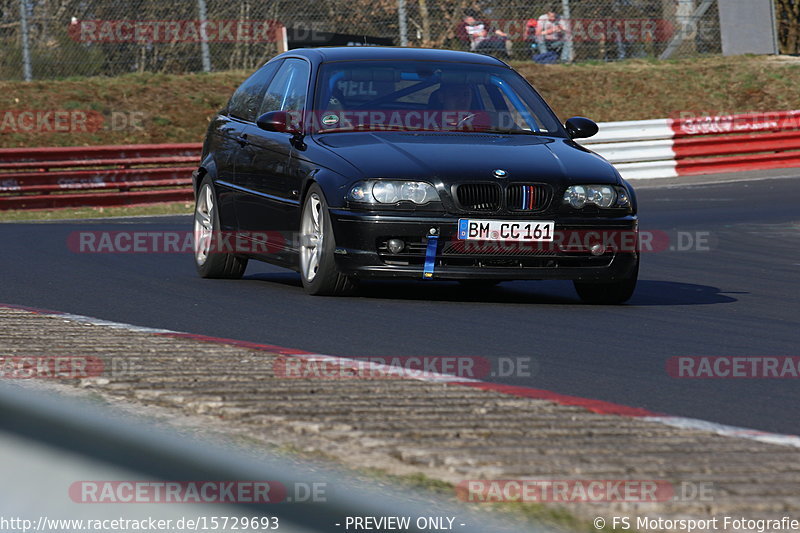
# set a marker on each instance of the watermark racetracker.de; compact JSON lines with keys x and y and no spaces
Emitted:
{"x":267,"y":242}
{"x":51,"y":367}
{"x":734,"y":367}
{"x":56,"y":121}
{"x":450,"y":368}
{"x":193,"y":31}
{"x":202,"y":492}
{"x":582,"y":491}
{"x":710,"y":122}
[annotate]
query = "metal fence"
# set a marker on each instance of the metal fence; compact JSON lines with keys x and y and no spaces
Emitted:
{"x":42,"y":39}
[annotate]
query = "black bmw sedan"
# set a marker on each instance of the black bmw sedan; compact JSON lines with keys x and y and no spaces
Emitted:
{"x":364,"y":162}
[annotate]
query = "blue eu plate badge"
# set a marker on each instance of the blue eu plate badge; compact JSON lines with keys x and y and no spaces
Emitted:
{"x":463,"y":228}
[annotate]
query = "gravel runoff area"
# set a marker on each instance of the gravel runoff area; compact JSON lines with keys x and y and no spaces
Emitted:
{"x":447,"y":432}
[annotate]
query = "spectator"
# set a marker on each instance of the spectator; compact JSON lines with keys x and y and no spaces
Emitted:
{"x":530,"y":30}
{"x":493,"y":42}
{"x":469,"y":30}
{"x":620,"y":9}
{"x":551,"y":33}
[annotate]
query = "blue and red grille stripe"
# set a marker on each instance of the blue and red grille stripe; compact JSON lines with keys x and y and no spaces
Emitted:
{"x":528,"y":197}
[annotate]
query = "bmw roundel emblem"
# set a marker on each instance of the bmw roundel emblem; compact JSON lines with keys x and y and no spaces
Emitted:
{"x":500,"y":173}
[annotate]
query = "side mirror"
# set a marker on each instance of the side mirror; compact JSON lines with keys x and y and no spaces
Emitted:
{"x":279,"y":121}
{"x":581,"y":127}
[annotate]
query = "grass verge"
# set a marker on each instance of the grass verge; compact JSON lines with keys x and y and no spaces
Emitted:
{"x":167,"y":108}
{"x":44,"y":215}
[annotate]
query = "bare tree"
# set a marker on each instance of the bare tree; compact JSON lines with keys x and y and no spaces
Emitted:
{"x":426,"y":22}
{"x":788,"y":25}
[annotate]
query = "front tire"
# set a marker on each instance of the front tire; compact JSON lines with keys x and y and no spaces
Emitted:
{"x":212,"y":263}
{"x":317,"y":245}
{"x":614,"y":293}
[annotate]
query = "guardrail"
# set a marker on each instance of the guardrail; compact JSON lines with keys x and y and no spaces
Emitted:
{"x":42,"y":178}
{"x":79,"y":440}
{"x":666,"y":148}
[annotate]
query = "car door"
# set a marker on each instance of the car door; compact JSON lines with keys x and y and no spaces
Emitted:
{"x":272,"y":203}
{"x":221,"y":144}
{"x":232,"y":125}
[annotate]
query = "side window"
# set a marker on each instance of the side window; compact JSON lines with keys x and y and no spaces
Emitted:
{"x":245,"y":101}
{"x":519,"y":115}
{"x":287,"y":91}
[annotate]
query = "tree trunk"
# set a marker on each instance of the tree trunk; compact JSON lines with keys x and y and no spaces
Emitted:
{"x":426,"y":23}
{"x":788,"y":25}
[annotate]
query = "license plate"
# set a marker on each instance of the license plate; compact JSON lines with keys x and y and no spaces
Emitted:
{"x":506,"y":230}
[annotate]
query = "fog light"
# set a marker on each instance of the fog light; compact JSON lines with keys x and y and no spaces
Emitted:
{"x":597,"y":249}
{"x":395,"y":245}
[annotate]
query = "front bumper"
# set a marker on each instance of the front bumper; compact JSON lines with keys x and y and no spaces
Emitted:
{"x":361,"y":249}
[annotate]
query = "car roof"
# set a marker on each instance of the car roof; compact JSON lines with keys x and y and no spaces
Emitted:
{"x":388,"y":53}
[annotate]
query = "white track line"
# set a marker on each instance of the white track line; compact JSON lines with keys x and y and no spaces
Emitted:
{"x":433,"y":377}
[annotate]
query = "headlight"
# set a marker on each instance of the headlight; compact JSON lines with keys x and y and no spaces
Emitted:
{"x":391,"y":192}
{"x":575,"y":196}
{"x":417,"y":192}
{"x":604,"y":196}
{"x":623,"y":200}
{"x":359,"y":192}
{"x":386,"y":192}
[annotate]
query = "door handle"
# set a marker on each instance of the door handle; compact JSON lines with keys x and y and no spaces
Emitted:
{"x":242,"y":140}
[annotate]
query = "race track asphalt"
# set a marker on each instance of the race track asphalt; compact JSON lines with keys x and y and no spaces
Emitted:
{"x":733,"y":294}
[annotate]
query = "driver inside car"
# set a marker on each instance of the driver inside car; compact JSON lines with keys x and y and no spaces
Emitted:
{"x":458,"y":112}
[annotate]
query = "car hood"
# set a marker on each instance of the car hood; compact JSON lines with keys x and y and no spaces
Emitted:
{"x":468,"y":157}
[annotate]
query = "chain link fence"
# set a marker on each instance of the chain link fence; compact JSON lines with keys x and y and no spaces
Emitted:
{"x":45,"y":39}
{"x":788,"y":17}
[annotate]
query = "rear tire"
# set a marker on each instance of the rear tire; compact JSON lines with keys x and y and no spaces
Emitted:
{"x":317,"y":245}
{"x":211,"y":263}
{"x":608,"y":293}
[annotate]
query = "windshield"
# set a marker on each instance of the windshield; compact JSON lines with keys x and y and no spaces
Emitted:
{"x":429,"y":96}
